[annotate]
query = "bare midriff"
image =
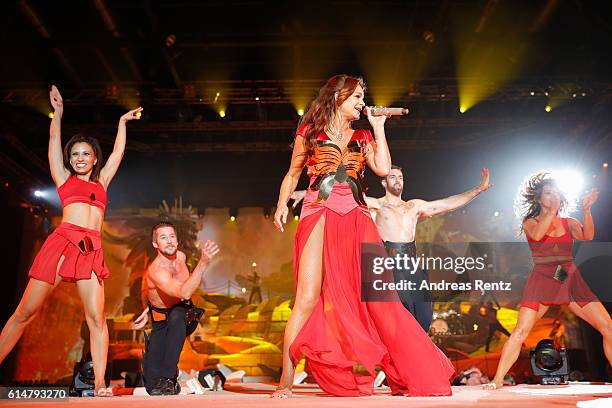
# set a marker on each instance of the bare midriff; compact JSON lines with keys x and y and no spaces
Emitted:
{"x":552,"y":259}
{"x":83,"y":215}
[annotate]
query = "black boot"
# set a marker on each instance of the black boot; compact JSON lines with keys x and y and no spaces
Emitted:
{"x":176,"y":388}
{"x":164,"y":386}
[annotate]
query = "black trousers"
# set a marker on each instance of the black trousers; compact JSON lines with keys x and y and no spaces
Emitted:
{"x":166,"y":342}
{"x":417,"y":302}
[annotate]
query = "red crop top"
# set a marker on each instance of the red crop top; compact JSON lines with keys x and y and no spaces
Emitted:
{"x":553,"y":246}
{"x":75,"y":190}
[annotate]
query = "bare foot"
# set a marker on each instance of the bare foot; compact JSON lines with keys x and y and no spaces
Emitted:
{"x":282,"y":393}
{"x":492,"y":386}
{"x":103,"y":392}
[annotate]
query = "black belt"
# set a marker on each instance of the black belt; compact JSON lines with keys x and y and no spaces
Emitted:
{"x":400,"y":248}
{"x":193,"y":314}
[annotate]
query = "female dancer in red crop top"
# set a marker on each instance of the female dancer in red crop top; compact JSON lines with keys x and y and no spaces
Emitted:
{"x":73,"y":251}
{"x":554,"y":278}
{"x":344,"y":337}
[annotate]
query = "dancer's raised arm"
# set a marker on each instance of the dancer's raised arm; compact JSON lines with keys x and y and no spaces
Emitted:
{"x":431,"y":208}
{"x":585,"y":231}
{"x":59,"y":172}
{"x":114,"y":160}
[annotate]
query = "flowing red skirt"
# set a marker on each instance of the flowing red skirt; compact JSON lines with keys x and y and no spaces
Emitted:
{"x":543,"y":289}
{"x":79,"y":262}
{"x":343,"y":332}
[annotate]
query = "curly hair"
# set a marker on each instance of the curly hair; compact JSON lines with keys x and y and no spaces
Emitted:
{"x":528,"y":200}
{"x":322,"y":109}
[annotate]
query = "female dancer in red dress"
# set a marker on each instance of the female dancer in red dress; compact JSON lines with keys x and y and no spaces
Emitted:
{"x":342,"y":337}
{"x":73,"y":251}
{"x":554,"y":279}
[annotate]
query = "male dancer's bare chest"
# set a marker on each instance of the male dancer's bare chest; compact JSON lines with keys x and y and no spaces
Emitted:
{"x":397,"y":221}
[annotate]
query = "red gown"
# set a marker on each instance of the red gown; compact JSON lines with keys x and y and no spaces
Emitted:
{"x":344,"y":332}
{"x":544,"y":285}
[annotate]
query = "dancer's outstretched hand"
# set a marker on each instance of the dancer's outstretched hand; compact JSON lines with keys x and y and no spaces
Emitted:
{"x":56,"y":100}
{"x":209,"y":250}
{"x":590,"y":199}
{"x":141,"y":321}
{"x":484,"y":183}
{"x":134,"y":114}
{"x":280,"y":217}
{"x":297,"y":196}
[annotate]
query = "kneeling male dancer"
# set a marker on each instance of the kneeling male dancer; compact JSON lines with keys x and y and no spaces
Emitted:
{"x":169,"y":289}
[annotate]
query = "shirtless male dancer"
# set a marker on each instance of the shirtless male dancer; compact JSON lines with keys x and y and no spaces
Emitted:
{"x":396,"y":220}
{"x":169,"y":289}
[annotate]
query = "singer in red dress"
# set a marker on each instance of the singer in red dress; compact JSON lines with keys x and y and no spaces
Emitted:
{"x":343,"y":337}
{"x":554,"y":279}
{"x":73,"y":252}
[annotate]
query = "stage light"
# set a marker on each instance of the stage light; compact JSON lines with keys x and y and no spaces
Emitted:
{"x":548,"y":108}
{"x":532,"y":93}
{"x":170,"y":40}
{"x":462,"y":109}
{"x":605,"y":165}
{"x":549,"y":363}
{"x":300,"y":112}
{"x":429,"y":37}
{"x":257,"y":98}
{"x":232,"y":218}
{"x":570,"y":182}
{"x":38,"y":193}
{"x":222,"y":113}
{"x":496,"y":214}
{"x":51,"y":115}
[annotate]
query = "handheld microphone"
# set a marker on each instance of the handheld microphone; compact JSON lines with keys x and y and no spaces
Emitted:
{"x":382,"y":111}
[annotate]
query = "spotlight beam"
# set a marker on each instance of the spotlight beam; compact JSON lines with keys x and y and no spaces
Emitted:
{"x":569,"y":181}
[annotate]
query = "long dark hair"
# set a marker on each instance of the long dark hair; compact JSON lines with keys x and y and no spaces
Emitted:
{"x":95,"y":145}
{"x":322,"y":109}
{"x":528,"y":203}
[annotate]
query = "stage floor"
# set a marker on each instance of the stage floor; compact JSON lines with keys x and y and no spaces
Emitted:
{"x":255,"y":395}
